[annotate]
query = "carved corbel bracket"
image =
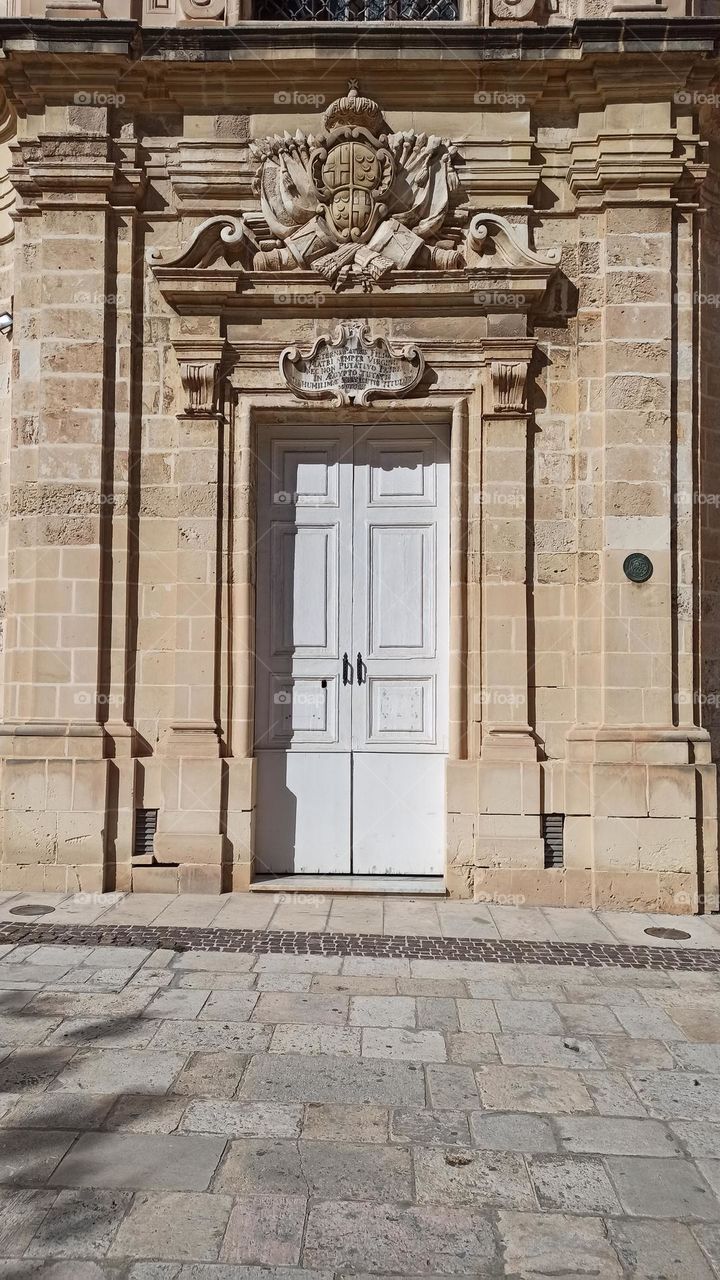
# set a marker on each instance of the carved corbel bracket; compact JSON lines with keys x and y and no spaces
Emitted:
{"x":509,"y":380}
{"x":200,"y":370}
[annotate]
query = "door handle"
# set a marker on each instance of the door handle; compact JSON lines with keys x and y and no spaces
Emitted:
{"x":361,"y":669}
{"x":347,"y":670}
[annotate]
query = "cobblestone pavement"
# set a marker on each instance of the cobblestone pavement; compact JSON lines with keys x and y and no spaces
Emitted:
{"x":235,"y":1116}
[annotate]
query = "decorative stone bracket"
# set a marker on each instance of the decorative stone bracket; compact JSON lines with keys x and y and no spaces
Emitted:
{"x":509,"y":386}
{"x":200,"y":366}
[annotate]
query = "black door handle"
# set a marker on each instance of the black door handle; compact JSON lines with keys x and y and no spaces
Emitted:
{"x":360,"y":669}
{"x":347,"y":670}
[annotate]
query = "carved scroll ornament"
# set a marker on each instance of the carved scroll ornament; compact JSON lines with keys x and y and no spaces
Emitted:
{"x":351,"y":367}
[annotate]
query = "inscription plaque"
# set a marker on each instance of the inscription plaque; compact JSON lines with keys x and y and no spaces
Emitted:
{"x":351,"y":367}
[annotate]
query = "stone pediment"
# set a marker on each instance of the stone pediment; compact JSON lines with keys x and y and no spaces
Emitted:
{"x":357,"y":209}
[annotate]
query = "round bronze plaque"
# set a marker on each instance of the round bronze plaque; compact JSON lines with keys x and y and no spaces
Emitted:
{"x":638,"y":567}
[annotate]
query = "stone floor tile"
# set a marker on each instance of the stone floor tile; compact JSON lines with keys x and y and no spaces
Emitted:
{"x":32,"y":974}
{"x":352,"y":984}
{"x":215,"y":961}
{"x":524,"y":922}
{"x":588,"y":1020}
{"x":367,"y":966}
{"x":468,"y":1177}
{"x":14,"y":1001}
{"x":204,"y":1034}
{"x":528,"y":1016}
{"x":334,"y":1123}
{"x":191,"y":909}
{"x":178,"y":1003}
{"x":228,"y":1006}
{"x":539,"y":1089}
{"x":452,"y":1088}
{"x":17,"y":1029}
{"x":137,"y":1161}
{"x":7,"y":1102}
{"x":658,"y":1250}
{"x":21,"y":1213}
{"x":540,"y":1246}
{"x":243,"y":1119}
{"x":698,"y":1137}
{"x":382,"y":1011}
{"x":399,"y":1239}
{"x":356,"y":1171}
{"x":80,"y":1224}
{"x":316,"y":1040}
{"x":301,"y":964}
{"x":651,"y":1188}
{"x":408,"y":1046}
{"x":59,"y":1110}
{"x":575,"y":924}
{"x":491,"y":987}
{"x":203,"y":980}
{"x":708,"y":1238}
{"x":286,"y":982}
{"x":211,"y":1075}
{"x":92,"y":1004}
{"x":677,"y":1095}
{"x":477,"y":1015}
{"x":547,"y":1051}
{"x":294,"y":1078}
{"x":261,"y":1166}
{"x":265,"y":1230}
{"x":697,"y":1022}
{"x":698,"y":1057}
{"x":39,"y":1269}
{"x":145,"y":1113}
{"x":710,"y":1170}
{"x":117,"y":957}
{"x":29,"y":1156}
{"x":32,"y":1070}
{"x":104,"y":1033}
{"x":514,"y":1131}
{"x":648,"y":1023}
{"x":581,"y":993}
{"x":432,"y":988}
{"x":107,"y":1070}
{"x":572,"y":1185}
{"x":471,"y":1047}
{"x":63,"y":954}
{"x":623,"y":1137}
{"x":181,"y":1226}
{"x":629,"y":1055}
{"x":430,"y":1128}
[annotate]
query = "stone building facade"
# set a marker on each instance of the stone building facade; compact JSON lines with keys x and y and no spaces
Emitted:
{"x":466,"y":256}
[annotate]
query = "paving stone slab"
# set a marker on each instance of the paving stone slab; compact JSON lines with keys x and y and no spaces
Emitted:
{"x":382,"y":1011}
{"x":452,"y":1088}
{"x":261,"y":1166}
{"x":485,"y":1180}
{"x":407,"y":1046}
{"x":304,"y":1039}
{"x":206,"y":980}
{"x":229,"y":1006}
{"x":648,"y":1024}
{"x":572,"y":1185}
{"x":265,"y":1230}
{"x":658,"y":1250}
{"x":18,"y":1029}
{"x":293,"y":1078}
{"x":211,"y":1075}
{"x":623,"y":1054}
{"x":108,"y":1033}
{"x":698,"y":1057}
{"x":153,"y":1161}
{"x":699,"y":1138}
{"x":243,"y":1119}
{"x":356,"y":1171}
{"x":22,"y":1211}
{"x":472,"y":1047}
{"x":612,"y":1094}
{"x":28,"y":1157}
{"x":350,"y":984}
{"x":547,"y":1051}
{"x":588,"y":1019}
{"x":145,"y":1113}
{"x":430,"y":1128}
{"x":32,"y":1070}
{"x":214,"y":961}
{"x":625,"y":1137}
{"x":288,"y":982}
{"x":477,"y":1015}
{"x":190,"y":1037}
{"x":398,"y":1238}
{"x":113,"y":1070}
{"x":178,"y":1003}
{"x":493,"y":1131}
{"x":80,"y":1224}
{"x":542,"y":1089}
{"x":677,"y":1095}
{"x":180,"y":1226}
{"x":653,"y":1188}
{"x":528,"y":1016}
{"x":541,"y":1246}
{"x":330,"y":1122}
{"x":58,"y":1110}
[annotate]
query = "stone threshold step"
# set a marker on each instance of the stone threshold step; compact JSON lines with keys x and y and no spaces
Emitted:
{"x":396,"y":886}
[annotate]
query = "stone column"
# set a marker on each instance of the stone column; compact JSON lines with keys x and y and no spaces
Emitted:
{"x":509,"y":844}
{"x":55,"y":771}
{"x":189,"y":823}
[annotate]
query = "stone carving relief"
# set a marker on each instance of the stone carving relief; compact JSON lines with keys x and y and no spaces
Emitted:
{"x":509,"y":382}
{"x":358,"y":202}
{"x":351,"y":367}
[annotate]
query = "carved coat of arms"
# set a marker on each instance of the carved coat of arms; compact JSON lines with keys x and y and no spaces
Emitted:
{"x":358,"y":201}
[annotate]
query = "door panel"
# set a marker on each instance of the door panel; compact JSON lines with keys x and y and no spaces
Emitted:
{"x":353,"y":558}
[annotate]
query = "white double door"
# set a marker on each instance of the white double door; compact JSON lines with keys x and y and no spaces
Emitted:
{"x":352,"y":631}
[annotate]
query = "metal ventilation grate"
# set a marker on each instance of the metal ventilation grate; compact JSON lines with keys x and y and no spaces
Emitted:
{"x":356,"y":10}
{"x":553,"y":830}
{"x":145,"y":828}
